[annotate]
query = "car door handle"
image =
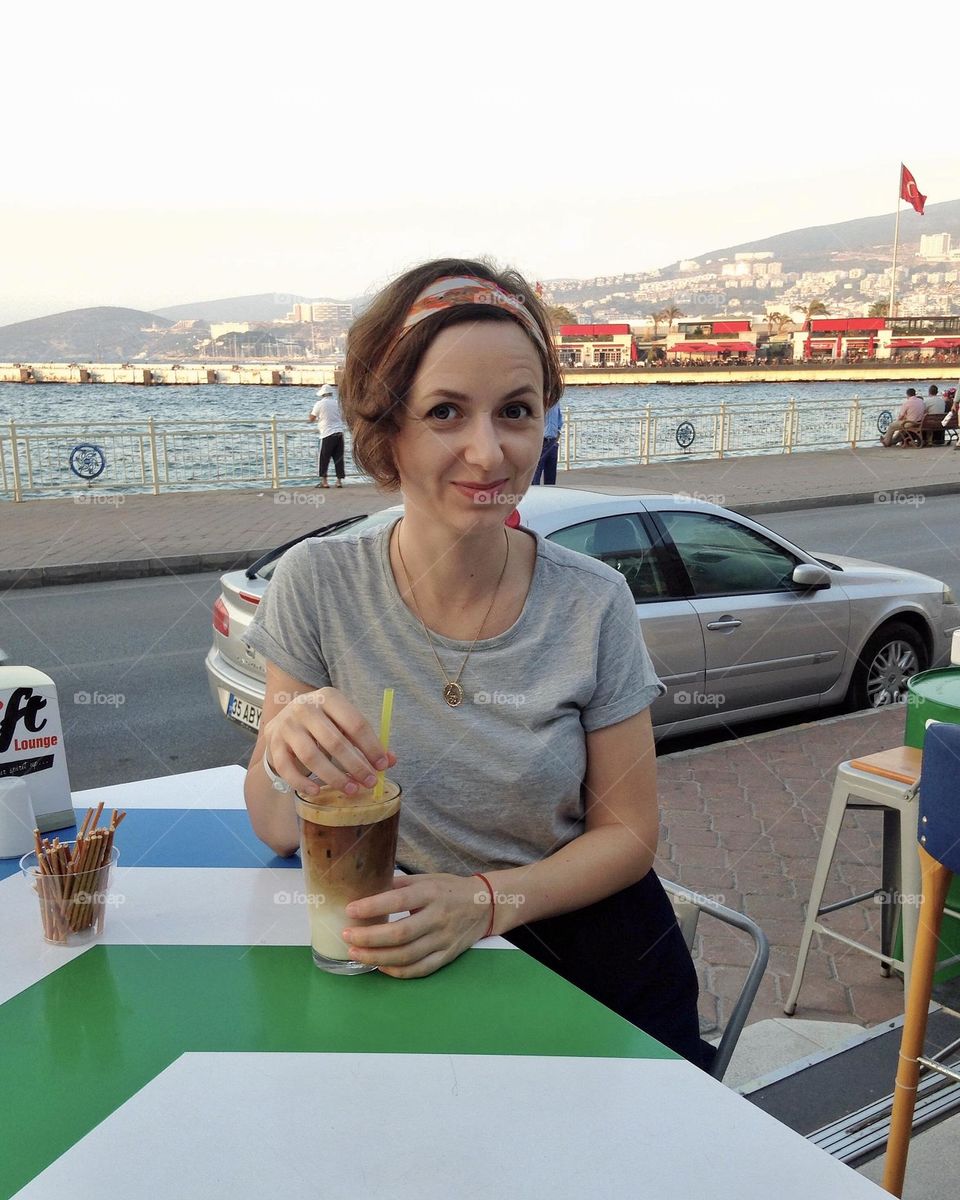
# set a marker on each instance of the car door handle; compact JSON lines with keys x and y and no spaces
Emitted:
{"x":725,"y":623}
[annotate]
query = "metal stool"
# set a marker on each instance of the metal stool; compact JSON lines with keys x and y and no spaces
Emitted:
{"x":939,"y":855}
{"x":885,"y":781}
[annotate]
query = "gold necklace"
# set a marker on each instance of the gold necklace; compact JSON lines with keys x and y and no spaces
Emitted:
{"x":452,"y":691}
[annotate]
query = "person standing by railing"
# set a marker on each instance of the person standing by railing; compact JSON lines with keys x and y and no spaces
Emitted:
{"x":546,"y":471}
{"x":329,"y":421}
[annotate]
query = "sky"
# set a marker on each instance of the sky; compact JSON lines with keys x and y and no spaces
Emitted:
{"x":157,"y":155}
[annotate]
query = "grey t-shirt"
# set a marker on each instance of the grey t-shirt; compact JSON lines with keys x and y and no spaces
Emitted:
{"x":496,"y":782}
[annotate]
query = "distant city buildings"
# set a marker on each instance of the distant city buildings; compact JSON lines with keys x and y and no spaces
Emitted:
{"x":596,"y":345}
{"x":924,"y":337}
{"x":219,"y":328}
{"x":934,"y":245}
{"x":752,"y":283}
{"x":318,"y":311}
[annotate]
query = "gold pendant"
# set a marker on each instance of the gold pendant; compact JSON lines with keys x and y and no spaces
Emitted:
{"x":453,"y":694}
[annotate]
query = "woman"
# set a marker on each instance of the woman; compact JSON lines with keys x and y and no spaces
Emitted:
{"x":521,"y":725}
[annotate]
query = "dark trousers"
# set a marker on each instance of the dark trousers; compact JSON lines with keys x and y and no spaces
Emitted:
{"x":627,"y":951}
{"x":331,"y":447}
{"x":547,"y":466}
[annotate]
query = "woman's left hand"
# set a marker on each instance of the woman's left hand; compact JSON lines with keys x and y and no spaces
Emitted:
{"x":448,"y":913}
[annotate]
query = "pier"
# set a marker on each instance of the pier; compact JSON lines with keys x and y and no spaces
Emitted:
{"x":314,"y":374}
{"x":162,"y":374}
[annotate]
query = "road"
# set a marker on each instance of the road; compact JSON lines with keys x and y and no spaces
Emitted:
{"x":904,"y":530}
{"x":127,"y":657}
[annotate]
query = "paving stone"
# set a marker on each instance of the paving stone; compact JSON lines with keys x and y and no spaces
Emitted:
{"x":689,"y":835}
{"x":819,"y":995}
{"x":708,"y":881}
{"x":881,"y":1002}
{"x":762,"y":907}
{"x":706,"y":856}
{"x":690,"y":818}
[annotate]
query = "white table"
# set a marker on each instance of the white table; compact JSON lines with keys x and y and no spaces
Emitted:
{"x":195,"y":1051}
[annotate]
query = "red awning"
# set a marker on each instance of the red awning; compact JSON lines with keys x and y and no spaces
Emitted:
{"x":904,"y":343}
{"x":737,"y":347}
{"x":943,"y":344}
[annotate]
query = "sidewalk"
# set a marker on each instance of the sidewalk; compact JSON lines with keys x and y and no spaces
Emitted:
{"x":97,"y":536}
{"x":742,"y":822}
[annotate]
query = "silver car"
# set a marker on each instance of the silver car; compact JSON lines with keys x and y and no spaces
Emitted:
{"x":740,"y":623}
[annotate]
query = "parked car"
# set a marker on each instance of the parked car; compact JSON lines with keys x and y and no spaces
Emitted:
{"x":740,"y":623}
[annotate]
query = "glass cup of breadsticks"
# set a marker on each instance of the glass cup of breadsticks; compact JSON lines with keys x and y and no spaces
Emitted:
{"x":72,"y":879}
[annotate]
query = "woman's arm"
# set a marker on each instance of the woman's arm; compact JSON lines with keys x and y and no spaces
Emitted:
{"x":305,"y":730}
{"x":619,"y":843}
{"x":617,"y":848}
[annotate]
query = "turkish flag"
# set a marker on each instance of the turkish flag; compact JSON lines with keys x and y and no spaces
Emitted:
{"x":909,"y":190}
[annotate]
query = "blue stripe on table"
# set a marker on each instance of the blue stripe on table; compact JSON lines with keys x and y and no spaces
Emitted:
{"x":183,"y":837}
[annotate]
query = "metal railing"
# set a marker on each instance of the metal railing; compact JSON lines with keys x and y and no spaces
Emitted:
{"x":61,"y":458}
{"x":722,"y":430}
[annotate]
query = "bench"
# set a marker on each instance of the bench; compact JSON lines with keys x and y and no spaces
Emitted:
{"x":929,"y":426}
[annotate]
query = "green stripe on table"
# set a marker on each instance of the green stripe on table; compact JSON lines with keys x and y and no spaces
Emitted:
{"x":83,"y":1040}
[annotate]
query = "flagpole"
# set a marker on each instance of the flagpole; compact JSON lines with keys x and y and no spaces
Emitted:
{"x":896,"y":239}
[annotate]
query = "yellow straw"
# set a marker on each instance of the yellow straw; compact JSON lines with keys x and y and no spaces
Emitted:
{"x":386,"y":715}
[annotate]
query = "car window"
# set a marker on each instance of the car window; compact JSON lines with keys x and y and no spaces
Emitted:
{"x":371,"y":521}
{"x":622,"y":543}
{"x":723,"y":557}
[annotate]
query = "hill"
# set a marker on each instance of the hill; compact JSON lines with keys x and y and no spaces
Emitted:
{"x":865,"y":243}
{"x":92,"y":334}
{"x":268,"y":306}
{"x":810,"y":249}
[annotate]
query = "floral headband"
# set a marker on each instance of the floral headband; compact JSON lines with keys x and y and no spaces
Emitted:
{"x":454,"y":290}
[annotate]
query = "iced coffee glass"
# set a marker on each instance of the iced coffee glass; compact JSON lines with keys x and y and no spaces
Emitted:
{"x":348,"y":847}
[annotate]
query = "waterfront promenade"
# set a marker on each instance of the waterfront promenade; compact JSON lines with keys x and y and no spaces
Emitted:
{"x":95,"y":535}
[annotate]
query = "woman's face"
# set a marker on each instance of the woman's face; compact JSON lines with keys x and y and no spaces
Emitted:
{"x":472,"y":432}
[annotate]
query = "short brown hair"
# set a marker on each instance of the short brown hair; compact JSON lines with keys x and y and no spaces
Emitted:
{"x":379,"y":372}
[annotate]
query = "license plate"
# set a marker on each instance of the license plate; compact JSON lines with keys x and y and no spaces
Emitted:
{"x":243,"y":713}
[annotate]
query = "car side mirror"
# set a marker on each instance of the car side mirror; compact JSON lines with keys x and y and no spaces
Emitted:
{"x":809,"y":575}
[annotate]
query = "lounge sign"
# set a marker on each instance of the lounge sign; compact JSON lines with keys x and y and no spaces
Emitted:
{"x":31,"y":743}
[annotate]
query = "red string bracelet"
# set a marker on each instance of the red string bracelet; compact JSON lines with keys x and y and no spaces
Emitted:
{"x":493,"y":902}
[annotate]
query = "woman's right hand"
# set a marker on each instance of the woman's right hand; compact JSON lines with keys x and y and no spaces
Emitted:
{"x":322,"y":733}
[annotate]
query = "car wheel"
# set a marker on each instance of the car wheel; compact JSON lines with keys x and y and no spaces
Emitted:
{"x":894,"y":653}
